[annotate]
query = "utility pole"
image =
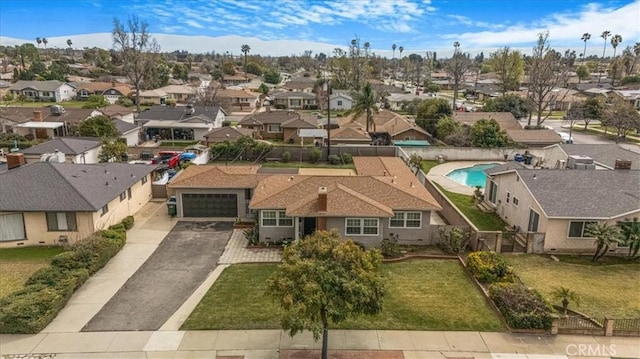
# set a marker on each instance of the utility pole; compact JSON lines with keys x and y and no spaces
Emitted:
{"x":327,"y":89}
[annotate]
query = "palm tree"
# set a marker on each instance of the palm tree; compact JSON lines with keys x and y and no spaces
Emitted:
{"x":365,"y":102}
{"x":585,"y":37}
{"x":38,"y":41}
{"x":605,"y":235}
{"x":565,"y":295}
{"x":401,"y":49}
{"x":69,"y":43}
{"x":615,"y":40}
{"x":631,"y":236}
{"x":45,"y":42}
{"x":245,"y":50}
{"x":605,"y":35}
{"x":393,"y":47}
{"x":456,"y":47}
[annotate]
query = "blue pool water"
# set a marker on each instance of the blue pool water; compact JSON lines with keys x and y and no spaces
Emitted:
{"x":471,"y":176}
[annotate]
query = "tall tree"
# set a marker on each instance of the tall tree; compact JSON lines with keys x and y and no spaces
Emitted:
{"x":138,"y":49}
{"x":365,"y":103}
{"x":585,"y":37}
{"x":548,"y":70}
{"x":38,"y":41}
{"x":457,"y":67}
{"x":615,"y":41}
{"x":393,"y":58}
{"x":487,"y":134}
{"x":69,"y":42}
{"x":245,"y":50}
{"x":622,"y":116}
{"x":605,"y":35}
{"x":325,"y":279}
{"x":98,"y":126}
{"x":593,"y":109}
{"x":507,"y":103}
{"x":605,"y":236}
{"x":509,"y":68}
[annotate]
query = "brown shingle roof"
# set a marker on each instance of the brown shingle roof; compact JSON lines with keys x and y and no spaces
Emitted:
{"x":350,"y":133}
{"x":534,"y":136}
{"x":206,"y":176}
{"x":504,"y":119}
{"x":227,"y":133}
{"x":269,"y":117}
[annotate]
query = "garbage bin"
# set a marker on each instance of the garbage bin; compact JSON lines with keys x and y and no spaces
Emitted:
{"x":528,"y":159}
{"x":172,"y":209}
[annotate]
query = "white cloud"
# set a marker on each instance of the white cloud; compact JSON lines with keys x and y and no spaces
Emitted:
{"x":194,"y":23}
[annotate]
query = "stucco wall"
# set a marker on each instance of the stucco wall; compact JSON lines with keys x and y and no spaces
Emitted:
{"x":468,"y":154}
{"x":37,"y":233}
{"x":118,"y":210}
{"x":512,"y":214}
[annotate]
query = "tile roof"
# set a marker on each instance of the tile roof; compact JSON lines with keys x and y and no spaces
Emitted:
{"x":66,"y":145}
{"x":586,"y":194}
{"x":46,"y":186}
{"x":604,"y":154}
{"x":207,"y":176}
{"x":299,"y":123}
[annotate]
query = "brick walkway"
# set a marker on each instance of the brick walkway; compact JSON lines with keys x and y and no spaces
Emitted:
{"x":237,"y":251}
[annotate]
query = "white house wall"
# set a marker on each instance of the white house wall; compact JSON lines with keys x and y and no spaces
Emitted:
{"x":118,"y":210}
{"x":131,"y":137}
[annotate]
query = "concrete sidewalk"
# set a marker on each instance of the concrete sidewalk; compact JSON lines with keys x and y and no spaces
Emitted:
{"x":266,"y":344}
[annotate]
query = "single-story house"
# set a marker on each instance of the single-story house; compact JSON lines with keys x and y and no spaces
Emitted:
{"x":631,"y":97}
{"x":179,"y":93}
{"x":603,"y":156}
{"x":130,"y":132}
{"x":387,"y":127}
{"x":341,"y":101}
{"x":119,"y":112}
{"x":47,"y":203}
{"x":111,"y":91}
{"x":278,"y":125}
{"x":226,"y":133}
{"x":534,"y":137}
{"x":561,"y":203}
{"x":237,"y":99}
{"x":235,"y":80}
{"x":295,"y":100}
{"x":52,"y":90}
{"x":300,"y":84}
{"x":83,"y":150}
{"x":180,"y":122}
{"x":350,"y":136}
{"x":383,"y":200}
{"x":151,"y":97}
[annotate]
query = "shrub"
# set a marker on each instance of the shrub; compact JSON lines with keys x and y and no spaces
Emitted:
{"x":347,"y":158}
{"x":489,"y":267}
{"x":251,"y":234}
{"x":334,"y":159}
{"x":314,"y":155}
{"x":114,"y":232}
{"x":453,"y":240}
{"x":128,"y":222}
{"x":286,"y":156}
{"x":522,"y":308}
{"x":67,"y":261}
{"x":56,"y":277}
{"x":390,"y":248}
{"x":31,"y":309}
{"x":118,"y":228}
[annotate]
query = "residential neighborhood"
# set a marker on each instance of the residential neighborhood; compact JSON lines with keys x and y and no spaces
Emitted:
{"x":295,"y":196}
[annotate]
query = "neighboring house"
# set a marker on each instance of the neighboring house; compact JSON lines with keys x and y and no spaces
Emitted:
{"x":508,"y":123}
{"x":226,"y":133}
{"x":44,"y":122}
{"x":350,"y":136}
{"x":340,"y":101}
{"x":295,"y":100}
{"x":278,"y":125}
{"x":51,"y":90}
{"x":559,"y":204}
{"x":235,"y":80}
{"x":111,"y":91}
{"x":151,"y":97}
{"x":632,"y":97}
{"x":128,"y":131}
{"x":534,"y":138}
{"x":239,"y":100}
{"x":119,"y":112}
{"x":180,"y":122}
{"x":83,"y":150}
{"x":398,"y":101}
{"x":179,"y":93}
{"x":48,"y":203}
{"x":383,"y":200}
{"x":300,"y":84}
{"x":603,"y":156}
{"x":387,"y":127}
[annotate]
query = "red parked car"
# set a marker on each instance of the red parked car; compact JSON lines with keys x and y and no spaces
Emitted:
{"x":170,"y":158}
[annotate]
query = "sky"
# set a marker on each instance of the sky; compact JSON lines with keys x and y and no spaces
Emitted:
{"x":289,"y":27}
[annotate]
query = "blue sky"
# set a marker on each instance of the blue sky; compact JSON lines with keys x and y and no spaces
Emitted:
{"x":279,"y":27}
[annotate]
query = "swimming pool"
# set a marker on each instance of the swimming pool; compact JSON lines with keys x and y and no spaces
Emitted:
{"x":471,"y":176}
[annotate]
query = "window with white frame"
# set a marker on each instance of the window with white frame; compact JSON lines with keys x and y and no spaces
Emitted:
{"x":361,"y":226}
{"x":406,"y":220}
{"x":516,"y":201}
{"x":12,"y":227}
{"x":123,"y":196}
{"x":508,"y":196}
{"x":578,"y":229}
{"x":273,"y":128}
{"x":104,"y":210}
{"x":339,"y":102}
{"x":275,"y":219}
{"x":61,"y":221}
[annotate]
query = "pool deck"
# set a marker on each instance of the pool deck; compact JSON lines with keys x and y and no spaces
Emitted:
{"x":438,"y":174}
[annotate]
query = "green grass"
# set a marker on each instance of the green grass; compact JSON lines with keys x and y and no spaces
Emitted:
{"x":294,"y":164}
{"x":18,"y":264}
{"x":608,"y":288}
{"x":611,"y":133}
{"x":421,"y":295}
{"x":483,"y":221}
{"x":428,"y":165}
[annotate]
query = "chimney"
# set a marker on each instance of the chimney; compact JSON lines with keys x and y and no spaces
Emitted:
{"x":622,"y":165}
{"x":322,"y":199}
{"x":15,"y":160}
{"x":267,"y":107}
{"x":37,"y":115}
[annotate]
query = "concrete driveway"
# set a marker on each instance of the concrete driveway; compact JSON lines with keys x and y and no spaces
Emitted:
{"x":182,"y":261}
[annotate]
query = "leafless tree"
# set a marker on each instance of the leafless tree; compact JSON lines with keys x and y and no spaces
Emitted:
{"x":457,"y":67}
{"x":138,"y":48}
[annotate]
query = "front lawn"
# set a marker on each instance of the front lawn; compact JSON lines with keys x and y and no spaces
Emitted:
{"x":18,"y":264}
{"x":606,"y":289}
{"x":483,"y":221}
{"x":421,"y":295}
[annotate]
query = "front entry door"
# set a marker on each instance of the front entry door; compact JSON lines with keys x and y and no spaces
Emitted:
{"x":308,"y":226}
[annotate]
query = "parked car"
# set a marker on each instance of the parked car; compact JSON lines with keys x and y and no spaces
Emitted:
{"x":170,"y":158}
{"x":565,"y":137}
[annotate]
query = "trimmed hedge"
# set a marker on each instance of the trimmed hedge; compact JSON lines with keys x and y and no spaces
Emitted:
{"x":47,"y":291}
{"x":522,"y":308}
{"x":489,"y":267}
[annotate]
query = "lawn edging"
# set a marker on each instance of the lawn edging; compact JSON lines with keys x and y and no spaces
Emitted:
{"x":48,"y":290}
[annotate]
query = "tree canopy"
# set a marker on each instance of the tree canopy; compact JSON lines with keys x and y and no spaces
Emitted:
{"x":487,"y":133}
{"x":98,"y":126}
{"x":509,"y":67}
{"x":507,"y":103}
{"x":324,"y":279}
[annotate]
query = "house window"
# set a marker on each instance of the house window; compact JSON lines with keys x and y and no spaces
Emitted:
{"x":578,"y":229}
{"x":12,"y":227}
{"x":144,"y":179}
{"x":515,"y":201}
{"x":129,"y":193}
{"x":61,"y":221}
{"x":406,"y":220}
{"x":509,"y":197}
{"x":534,"y":219}
{"x":362,"y":226}
{"x":123,"y":196}
{"x":275,"y":219}
{"x":273,"y":129}
{"x":339,"y":102}
{"x":410,"y":138}
{"x":104,"y":210}
{"x":84,"y":93}
{"x":295,"y":103}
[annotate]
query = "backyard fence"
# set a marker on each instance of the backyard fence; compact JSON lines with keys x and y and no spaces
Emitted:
{"x":582,"y":325}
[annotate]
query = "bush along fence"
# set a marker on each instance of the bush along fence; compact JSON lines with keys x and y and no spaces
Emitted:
{"x":47,"y":291}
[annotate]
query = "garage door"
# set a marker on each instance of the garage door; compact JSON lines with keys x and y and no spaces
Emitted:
{"x":209,"y":205}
